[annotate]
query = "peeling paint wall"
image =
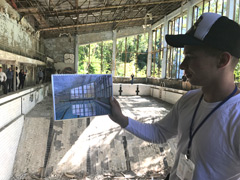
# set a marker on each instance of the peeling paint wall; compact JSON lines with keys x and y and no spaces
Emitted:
{"x":16,"y":34}
{"x":57,"y":47}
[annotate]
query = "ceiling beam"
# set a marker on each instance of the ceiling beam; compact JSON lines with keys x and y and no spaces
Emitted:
{"x":73,"y":11}
{"x":43,"y":23}
{"x":91,"y":24}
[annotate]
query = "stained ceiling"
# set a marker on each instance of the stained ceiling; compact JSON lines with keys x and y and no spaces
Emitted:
{"x":55,"y":18}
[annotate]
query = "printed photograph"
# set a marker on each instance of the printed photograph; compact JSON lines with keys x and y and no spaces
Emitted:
{"x":77,"y":96}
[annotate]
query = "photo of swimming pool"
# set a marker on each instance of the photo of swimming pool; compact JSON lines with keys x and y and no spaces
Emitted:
{"x":77,"y":96}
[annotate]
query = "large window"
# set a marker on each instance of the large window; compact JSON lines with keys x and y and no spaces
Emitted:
{"x":236,"y":11}
{"x":177,"y":25}
{"x":215,"y":6}
{"x":237,"y":19}
{"x":131,"y":56}
{"x":95,"y":58}
{"x":157,"y":51}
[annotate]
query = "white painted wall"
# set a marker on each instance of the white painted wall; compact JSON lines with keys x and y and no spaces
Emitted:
{"x":28,"y":102}
{"x":144,"y":89}
{"x":9,"y":143}
{"x":10,"y":111}
{"x":170,"y":97}
{"x":39,"y":94}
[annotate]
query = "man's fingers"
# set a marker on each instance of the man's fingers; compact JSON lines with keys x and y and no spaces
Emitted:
{"x":111,"y":100}
{"x":114,"y":102}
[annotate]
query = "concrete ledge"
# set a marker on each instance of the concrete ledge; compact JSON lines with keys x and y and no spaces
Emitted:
{"x":169,"y":95}
{"x":20,"y":93}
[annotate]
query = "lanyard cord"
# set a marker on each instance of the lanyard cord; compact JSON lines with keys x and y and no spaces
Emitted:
{"x":191,"y":135}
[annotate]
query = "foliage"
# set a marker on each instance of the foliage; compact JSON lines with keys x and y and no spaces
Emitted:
{"x":237,"y":73}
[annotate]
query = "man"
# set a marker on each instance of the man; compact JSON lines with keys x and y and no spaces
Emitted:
{"x":3,"y":79}
{"x":132,"y":77}
{"x":205,"y":121}
{"x":40,"y":76}
{"x":17,"y":78}
{"x":9,"y":74}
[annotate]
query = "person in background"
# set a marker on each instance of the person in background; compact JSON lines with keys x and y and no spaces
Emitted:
{"x":9,"y":74}
{"x":40,"y":76}
{"x":205,"y":121}
{"x":16,"y":78}
{"x":132,"y":78}
{"x":3,"y":79}
{"x":22,"y":76}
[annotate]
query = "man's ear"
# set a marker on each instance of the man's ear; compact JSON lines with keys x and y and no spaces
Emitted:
{"x":224,"y":59}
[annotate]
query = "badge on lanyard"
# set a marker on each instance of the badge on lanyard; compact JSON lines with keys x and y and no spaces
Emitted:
{"x":185,"y":168}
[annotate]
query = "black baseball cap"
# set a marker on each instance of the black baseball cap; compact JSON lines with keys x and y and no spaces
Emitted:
{"x":213,"y":30}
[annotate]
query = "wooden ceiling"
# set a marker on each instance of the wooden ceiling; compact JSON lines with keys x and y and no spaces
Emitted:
{"x":54,"y":18}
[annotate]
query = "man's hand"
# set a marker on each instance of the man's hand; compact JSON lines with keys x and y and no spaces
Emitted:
{"x":117,"y":115}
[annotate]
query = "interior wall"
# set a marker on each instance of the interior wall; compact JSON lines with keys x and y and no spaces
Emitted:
{"x":56,"y":48}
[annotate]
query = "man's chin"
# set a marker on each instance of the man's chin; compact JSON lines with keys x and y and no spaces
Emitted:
{"x":192,"y":82}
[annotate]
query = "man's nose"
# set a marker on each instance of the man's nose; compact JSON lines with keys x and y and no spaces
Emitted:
{"x":183,"y":65}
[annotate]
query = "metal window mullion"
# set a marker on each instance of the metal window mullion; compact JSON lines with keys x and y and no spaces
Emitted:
{"x":169,"y":49}
{"x":171,"y":59}
{"x":101,"y":57}
{"x":177,"y":55}
{"x":208,"y":6}
{"x":222,"y":7}
{"x":89,"y":57}
{"x":179,"y":59}
{"x":239,"y":12}
{"x":159,"y":50}
{"x":203,"y":3}
{"x":125,"y":57}
{"x":154,"y":53}
{"x":136,"y":65}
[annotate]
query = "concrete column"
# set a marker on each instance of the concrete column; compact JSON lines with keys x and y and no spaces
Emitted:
{"x":114,"y":38}
{"x":164,"y":60}
{"x":76,"y":54}
{"x":149,"y":58}
{"x":230,"y":9}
